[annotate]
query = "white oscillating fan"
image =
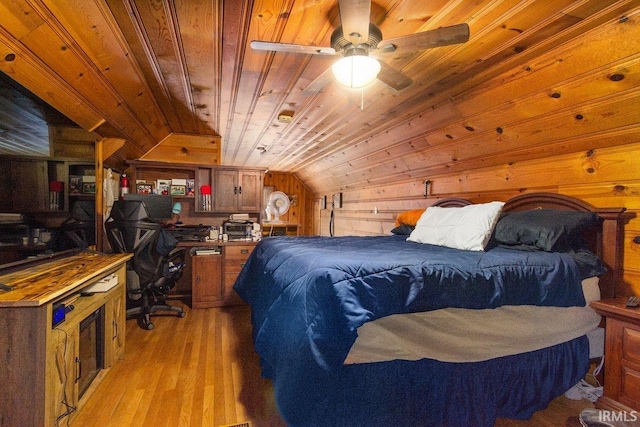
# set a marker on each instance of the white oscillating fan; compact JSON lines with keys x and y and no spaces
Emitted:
{"x":277,"y":204}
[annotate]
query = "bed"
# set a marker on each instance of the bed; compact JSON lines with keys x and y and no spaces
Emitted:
{"x":393,"y":330}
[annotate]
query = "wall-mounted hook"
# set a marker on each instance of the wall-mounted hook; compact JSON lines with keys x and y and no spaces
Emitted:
{"x":427,"y":188}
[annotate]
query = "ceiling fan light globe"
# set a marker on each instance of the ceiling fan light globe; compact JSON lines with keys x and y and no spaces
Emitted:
{"x":355,"y":71}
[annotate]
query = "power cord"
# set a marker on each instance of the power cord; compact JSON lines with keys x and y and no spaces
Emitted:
{"x":584,"y":390}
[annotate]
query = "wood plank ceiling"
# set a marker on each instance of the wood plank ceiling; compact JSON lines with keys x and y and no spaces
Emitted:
{"x":535,"y":77}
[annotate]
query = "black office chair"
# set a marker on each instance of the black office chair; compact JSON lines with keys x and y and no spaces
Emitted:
{"x":79,"y":230}
{"x":155,"y":266}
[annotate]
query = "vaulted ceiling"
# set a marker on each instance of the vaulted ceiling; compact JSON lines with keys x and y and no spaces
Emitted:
{"x":179,"y":79}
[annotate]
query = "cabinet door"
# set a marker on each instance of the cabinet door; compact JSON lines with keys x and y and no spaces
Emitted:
{"x":250,"y":191}
{"x":206,"y":273}
{"x":114,"y":323}
{"x":6,"y":204}
{"x":225,"y":195}
{"x":235,"y":258}
{"x":62,"y":374}
{"x":30,"y":186}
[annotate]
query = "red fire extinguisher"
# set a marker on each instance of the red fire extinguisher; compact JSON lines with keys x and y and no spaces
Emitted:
{"x":124,"y":185}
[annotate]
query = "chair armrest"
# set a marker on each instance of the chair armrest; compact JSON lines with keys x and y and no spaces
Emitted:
{"x":176,"y":256}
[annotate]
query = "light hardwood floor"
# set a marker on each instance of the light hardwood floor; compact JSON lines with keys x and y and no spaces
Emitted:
{"x":201,"y":370}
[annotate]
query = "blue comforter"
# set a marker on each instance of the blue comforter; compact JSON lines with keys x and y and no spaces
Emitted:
{"x":308,"y":296}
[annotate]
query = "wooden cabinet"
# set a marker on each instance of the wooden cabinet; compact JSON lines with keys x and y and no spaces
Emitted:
{"x":622,"y":355}
{"x":45,"y":373}
{"x":71,"y":366}
{"x":27,"y":190}
{"x":225,"y":190}
{"x":30,"y":186}
{"x":207,"y":290}
{"x":237,"y":190}
{"x":232,"y":189}
{"x":213,"y":276}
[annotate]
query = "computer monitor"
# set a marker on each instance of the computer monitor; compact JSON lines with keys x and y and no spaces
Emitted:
{"x":158,"y":206}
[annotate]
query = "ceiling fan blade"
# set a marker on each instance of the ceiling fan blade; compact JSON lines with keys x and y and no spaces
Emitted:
{"x":319,"y":82}
{"x":428,"y":39}
{"x":292,"y":48}
{"x":392,"y":77}
{"x":354,"y":17}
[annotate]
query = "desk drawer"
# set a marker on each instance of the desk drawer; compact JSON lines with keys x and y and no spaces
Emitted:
{"x":238,"y":252}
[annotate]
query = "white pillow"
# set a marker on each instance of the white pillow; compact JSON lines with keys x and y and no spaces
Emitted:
{"x":468,"y":227}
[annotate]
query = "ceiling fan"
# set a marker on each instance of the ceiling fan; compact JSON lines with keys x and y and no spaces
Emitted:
{"x":359,"y":41}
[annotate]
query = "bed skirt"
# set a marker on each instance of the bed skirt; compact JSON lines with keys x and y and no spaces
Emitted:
{"x":433,"y":393}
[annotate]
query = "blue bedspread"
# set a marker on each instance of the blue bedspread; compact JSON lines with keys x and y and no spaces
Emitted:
{"x":308,"y":295}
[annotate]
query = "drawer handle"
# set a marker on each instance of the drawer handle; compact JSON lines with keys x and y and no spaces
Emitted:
{"x":78,"y":369}
{"x":244,"y":251}
{"x":115,"y":330}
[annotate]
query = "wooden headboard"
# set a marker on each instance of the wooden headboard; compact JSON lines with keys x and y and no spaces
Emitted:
{"x":606,"y":241}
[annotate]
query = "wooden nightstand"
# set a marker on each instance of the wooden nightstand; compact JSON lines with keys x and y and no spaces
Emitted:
{"x":622,"y":355}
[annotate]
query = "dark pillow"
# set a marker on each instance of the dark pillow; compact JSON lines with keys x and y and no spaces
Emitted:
{"x":588,"y":263}
{"x":550,"y":230}
{"x":402,"y":230}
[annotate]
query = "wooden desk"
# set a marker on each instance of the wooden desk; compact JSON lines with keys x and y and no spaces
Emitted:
{"x":211,"y":277}
{"x":37,"y":374}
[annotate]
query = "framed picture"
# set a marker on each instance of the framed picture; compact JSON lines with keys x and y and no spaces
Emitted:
{"x":144,"y":187}
{"x":88,"y":188}
{"x":163,"y":187}
{"x":191,"y":187}
{"x":75,"y":184}
{"x":178,"y":190}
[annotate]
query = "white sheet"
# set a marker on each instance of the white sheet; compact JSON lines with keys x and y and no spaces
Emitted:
{"x":461,"y":335}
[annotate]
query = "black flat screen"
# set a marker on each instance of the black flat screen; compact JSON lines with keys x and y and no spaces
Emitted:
{"x":158,"y":206}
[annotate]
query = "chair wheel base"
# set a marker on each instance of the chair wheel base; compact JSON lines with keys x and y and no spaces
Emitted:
{"x":144,"y":313}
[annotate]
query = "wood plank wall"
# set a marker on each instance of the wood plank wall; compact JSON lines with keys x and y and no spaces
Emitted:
{"x":608,"y":177}
{"x":301,"y":210}
{"x":73,"y":142}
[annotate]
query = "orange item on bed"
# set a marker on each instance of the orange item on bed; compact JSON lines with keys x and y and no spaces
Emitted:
{"x":409,"y":217}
